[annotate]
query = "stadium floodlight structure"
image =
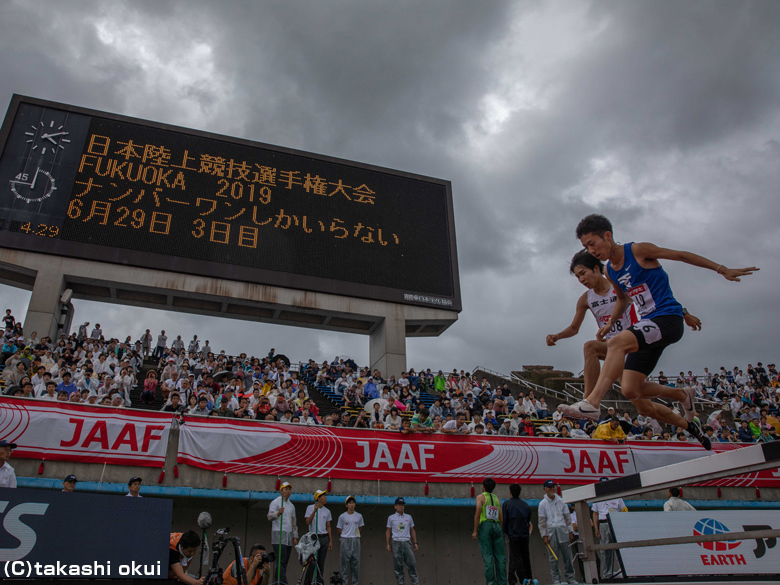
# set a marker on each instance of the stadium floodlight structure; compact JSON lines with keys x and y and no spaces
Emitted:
{"x":725,"y":464}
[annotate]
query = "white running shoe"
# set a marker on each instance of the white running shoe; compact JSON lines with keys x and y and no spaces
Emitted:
{"x":688,"y":407}
{"x":580,"y":410}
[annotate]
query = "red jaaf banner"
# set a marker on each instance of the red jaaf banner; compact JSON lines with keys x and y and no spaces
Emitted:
{"x":60,"y":431}
{"x":316,"y":451}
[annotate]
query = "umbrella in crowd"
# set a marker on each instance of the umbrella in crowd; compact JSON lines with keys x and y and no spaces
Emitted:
{"x":369,"y":407}
{"x":221,"y":376}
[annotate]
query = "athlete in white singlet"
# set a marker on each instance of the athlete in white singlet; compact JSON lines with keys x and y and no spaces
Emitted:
{"x":599,"y":299}
{"x":602,"y":307}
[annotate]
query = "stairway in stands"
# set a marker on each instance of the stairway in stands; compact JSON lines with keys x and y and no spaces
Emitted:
{"x":135,"y":392}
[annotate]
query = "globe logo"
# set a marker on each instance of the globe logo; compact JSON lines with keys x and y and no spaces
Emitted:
{"x":711,"y":526}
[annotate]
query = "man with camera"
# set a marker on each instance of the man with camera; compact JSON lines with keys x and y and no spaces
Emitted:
{"x":284,"y":530}
{"x":183,"y":547}
{"x":318,"y":517}
{"x":257,"y":566}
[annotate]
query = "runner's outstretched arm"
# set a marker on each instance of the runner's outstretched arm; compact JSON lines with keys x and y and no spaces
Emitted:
{"x":648,"y":252}
{"x":576,"y":322}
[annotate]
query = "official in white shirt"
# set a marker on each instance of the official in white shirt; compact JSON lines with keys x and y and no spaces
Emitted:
{"x":284,"y":530}
{"x":556,"y":529}
{"x":133,"y":487}
{"x":349,"y":525}
{"x":675,"y":503}
{"x":7,"y":473}
{"x":318,"y":518}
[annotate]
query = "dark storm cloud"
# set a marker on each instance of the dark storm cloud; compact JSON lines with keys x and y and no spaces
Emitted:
{"x":662,"y":115}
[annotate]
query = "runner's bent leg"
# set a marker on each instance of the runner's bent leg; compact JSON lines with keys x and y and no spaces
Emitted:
{"x":617,"y":349}
{"x":593,"y":351}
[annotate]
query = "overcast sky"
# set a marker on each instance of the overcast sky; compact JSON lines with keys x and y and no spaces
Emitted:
{"x":662,"y":115}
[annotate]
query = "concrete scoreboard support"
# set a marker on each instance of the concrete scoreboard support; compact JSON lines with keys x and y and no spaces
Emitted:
{"x":50,"y":313}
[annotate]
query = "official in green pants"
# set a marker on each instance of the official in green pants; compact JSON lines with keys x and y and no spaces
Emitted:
{"x":487,"y":527}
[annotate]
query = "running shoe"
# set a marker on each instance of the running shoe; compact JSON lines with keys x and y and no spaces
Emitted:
{"x":688,"y":407}
{"x":580,"y":410}
{"x":695,"y":430}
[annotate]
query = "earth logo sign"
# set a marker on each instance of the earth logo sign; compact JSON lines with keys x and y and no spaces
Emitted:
{"x":711,"y":526}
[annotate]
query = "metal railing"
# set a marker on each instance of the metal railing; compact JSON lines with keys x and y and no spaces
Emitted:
{"x":562,"y":395}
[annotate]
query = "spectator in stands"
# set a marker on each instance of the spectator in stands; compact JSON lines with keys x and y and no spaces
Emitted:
{"x":436,"y":408}
{"x":14,"y":375}
{"x":223,"y":410}
{"x":392,"y":421}
{"x":745,"y":435}
{"x":439,"y":382}
{"x":202,"y":407}
{"x":528,"y":427}
{"x":50,"y":391}
{"x":456,"y":426}
{"x":515,"y":422}
{"x":529,"y":404}
{"x":610,"y":431}
{"x":66,"y":384}
{"x":422,"y":421}
{"x":307,"y":418}
{"x":542,"y":409}
{"x":243,"y":410}
{"x":343,"y":420}
{"x":500,"y":403}
{"x":351,"y":398}
{"x":360,"y":421}
{"x":370,"y":391}
{"x":506,"y":429}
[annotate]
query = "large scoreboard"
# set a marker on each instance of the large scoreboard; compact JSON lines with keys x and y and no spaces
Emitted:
{"x":104,"y":187}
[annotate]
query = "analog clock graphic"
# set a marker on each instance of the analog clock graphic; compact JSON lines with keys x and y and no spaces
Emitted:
{"x":32,"y":189}
{"x":49,"y":137}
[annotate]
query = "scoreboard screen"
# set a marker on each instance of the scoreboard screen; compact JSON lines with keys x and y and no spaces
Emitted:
{"x":103,"y":187}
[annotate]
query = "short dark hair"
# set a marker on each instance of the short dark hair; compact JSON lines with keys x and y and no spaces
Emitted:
{"x":255,"y":548}
{"x":514,"y":489}
{"x":593,"y":224}
{"x":189,"y":539}
{"x":489,"y":484}
{"x":675,"y":492}
{"x":586,"y":259}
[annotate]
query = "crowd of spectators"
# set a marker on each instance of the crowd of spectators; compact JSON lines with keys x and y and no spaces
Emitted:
{"x":191,"y":378}
{"x":78,"y":368}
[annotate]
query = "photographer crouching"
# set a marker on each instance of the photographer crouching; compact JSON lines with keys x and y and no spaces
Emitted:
{"x":257,"y":566}
{"x":183,"y":547}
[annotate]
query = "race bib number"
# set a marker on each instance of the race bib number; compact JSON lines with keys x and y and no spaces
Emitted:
{"x":645,"y":304}
{"x":491,"y":512}
{"x":650,"y":331}
{"x":617,"y":327}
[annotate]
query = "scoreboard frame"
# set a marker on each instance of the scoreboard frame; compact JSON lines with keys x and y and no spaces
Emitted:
{"x":408,"y":293}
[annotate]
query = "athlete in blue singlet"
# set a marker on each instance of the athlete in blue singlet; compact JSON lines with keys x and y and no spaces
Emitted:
{"x":636,"y":274}
{"x":599,"y":299}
